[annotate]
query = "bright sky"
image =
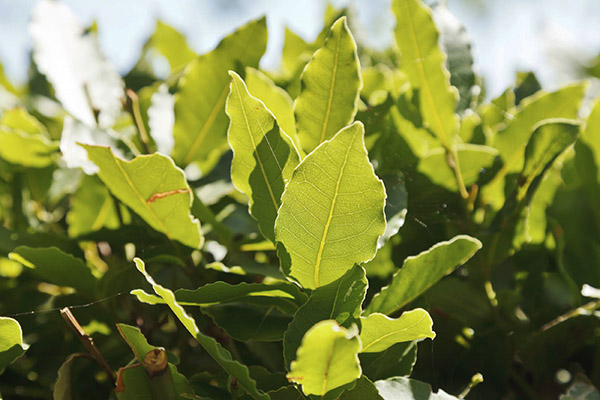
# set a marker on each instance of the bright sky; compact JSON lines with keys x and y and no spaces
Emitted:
{"x":507,"y":34}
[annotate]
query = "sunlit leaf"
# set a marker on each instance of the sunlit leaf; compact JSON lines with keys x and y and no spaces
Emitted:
{"x":379,"y":332}
{"x":420,"y":272}
{"x":340,"y":300}
{"x":153,"y":187}
{"x":214,"y":349}
{"x":264,"y":157}
{"x":200,"y":121}
{"x":11,"y":342}
{"x":424,"y":63}
{"x":332,"y":210}
{"x":326,"y":359}
{"x":330,"y":87}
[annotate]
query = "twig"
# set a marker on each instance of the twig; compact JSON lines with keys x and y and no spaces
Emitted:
{"x":87,"y":342}
{"x":583,"y":310}
{"x":137,"y":117}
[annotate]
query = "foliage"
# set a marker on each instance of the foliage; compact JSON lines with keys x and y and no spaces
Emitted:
{"x":356,"y":225}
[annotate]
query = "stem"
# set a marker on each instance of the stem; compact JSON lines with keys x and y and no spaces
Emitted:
{"x":583,"y":310}
{"x":137,"y":118}
{"x":452,"y":158}
{"x":87,"y":342}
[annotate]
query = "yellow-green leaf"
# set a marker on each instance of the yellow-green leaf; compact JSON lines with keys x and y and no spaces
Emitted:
{"x":331,"y":84}
{"x":264,"y":157}
{"x":424,"y":64}
{"x":420,"y":272}
{"x":200,"y":121}
{"x":332,"y":210}
{"x":154,"y":188}
{"x":326,"y":359}
{"x":213,"y":348}
{"x":379,"y":332}
{"x":11,"y":342}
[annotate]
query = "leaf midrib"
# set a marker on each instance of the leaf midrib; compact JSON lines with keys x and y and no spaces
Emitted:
{"x":392,"y":333}
{"x":424,"y":83}
{"x":258,"y":157}
{"x":215,"y":110}
{"x":332,"y":87}
{"x":328,"y":223}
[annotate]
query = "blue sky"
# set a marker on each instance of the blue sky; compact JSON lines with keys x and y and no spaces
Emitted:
{"x":507,"y":34}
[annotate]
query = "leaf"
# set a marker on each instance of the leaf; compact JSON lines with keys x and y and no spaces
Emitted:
{"x":547,"y":142}
{"x":326,"y":359}
{"x":62,"y":387}
{"x":333,"y":185}
{"x":161,"y":119}
{"x":511,"y":142}
{"x":200,"y":121}
{"x":364,"y":389}
{"x":420,"y":272}
{"x":84,"y":81}
{"x":11,"y":342}
{"x":339,"y":300}
{"x":134,"y":383}
{"x":400,"y":388}
{"x":215,"y":350}
{"x":331,"y":84}
{"x":473,"y":159}
{"x":154,"y":188}
{"x":277,"y":100}
{"x":34,"y":151}
{"x":424,"y":64}
{"x":379,"y":332}
{"x":54,"y":266}
{"x":457,"y":46}
{"x":136,"y":340}
{"x":264,"y":157}
{"x":92,"y":208}
{"x":171,"y":44}
{"x":587,"y":154}
{"x":397,"y":360}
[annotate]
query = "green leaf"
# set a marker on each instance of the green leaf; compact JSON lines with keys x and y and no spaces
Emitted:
{"x":379,"y":332}
{"x":277,"y":100}
{"x":136,"y":340}
{"x":11,"y":342}
{"x":420,"y":272}
{"x":333,"y":185}
{"x":294,"y":49}
{"x":264,"y":157}
{"x":134,"y":383}
{"x":399,"y":388}
{"x":457,"y":46}
{"x":214,"y":349}
{"x":339,"y":300}
{"x":93,"y":208}
{"x":397,"y":360}
{"x":547,"y":142}
{"x":53,"y":265}
{"x":424,"y":63}
{"x":363,"y":390}
{"x":169,"y":43}
{"x":331,"y":84}
{"x":473,"y":159}
{"x":28,"y":150}
{"x":326,"y":359}
{"x":62,"y":387}
{"x":200,"y":121}
{"x":247,"y":311}
{"x":153,"y":187}
{"x":511,"y":142}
